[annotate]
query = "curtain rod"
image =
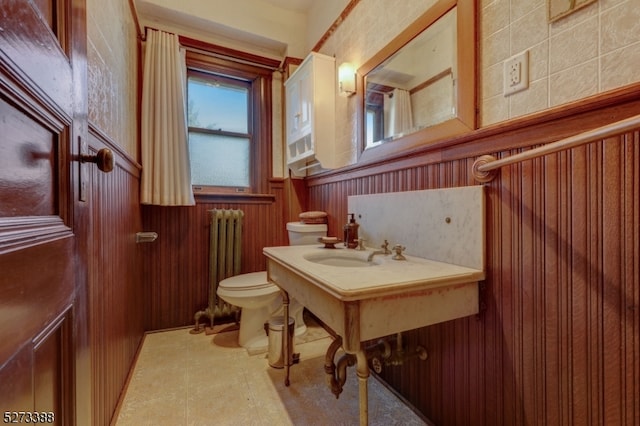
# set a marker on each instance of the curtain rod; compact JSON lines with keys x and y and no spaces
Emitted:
{"x":484,"y":169}
{"x":191,"y":44}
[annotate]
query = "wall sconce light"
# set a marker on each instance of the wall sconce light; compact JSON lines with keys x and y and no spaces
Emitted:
{"x":346,"y":79}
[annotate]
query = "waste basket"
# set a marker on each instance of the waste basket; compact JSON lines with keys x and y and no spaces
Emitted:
{"x":276,"y":341}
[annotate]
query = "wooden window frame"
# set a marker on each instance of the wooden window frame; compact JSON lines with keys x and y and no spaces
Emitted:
{"x":260,"y":116}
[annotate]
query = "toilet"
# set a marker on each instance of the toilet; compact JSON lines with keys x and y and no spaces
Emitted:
{"x":260,"y":299}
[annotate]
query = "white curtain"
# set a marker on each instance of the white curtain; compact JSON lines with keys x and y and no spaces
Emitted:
{"x":166,"y":174}
{"x":400,"y":119}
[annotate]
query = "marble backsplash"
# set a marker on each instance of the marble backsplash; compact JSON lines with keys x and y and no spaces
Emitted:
{"x":447,"y":225}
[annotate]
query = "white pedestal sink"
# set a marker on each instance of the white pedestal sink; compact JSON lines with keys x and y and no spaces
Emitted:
{"x":362,"y":300}
{"x":444,"y":233}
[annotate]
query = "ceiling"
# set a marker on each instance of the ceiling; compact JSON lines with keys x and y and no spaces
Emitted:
{"x":156,"y":14}
{"x":297,"y":5}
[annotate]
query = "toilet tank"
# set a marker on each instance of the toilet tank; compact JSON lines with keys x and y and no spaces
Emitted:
{"x":304,"y":233}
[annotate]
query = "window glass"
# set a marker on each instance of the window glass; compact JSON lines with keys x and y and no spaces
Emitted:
{"x":220,"y":140}
{"x":217,"y":105}
{"x":218,"y":160}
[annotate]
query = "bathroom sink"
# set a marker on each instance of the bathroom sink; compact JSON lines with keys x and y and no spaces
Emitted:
{"x":342,"y":258}
{"x":361,"y":302}
{"x":438,"y":281}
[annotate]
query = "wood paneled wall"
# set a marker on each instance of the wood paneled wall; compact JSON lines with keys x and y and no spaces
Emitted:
{"x":558,"y":339}
{"x":176,"y":266}
{"x":117,"y":302}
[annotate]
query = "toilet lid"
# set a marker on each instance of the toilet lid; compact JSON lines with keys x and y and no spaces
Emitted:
{"x":253,"y":280}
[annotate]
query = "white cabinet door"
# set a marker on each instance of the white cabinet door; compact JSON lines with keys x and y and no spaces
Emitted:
{"x":299,"y":103}
{"x":305,"y":84}
{"x":310,"y":109}
{"x":293,"y":110}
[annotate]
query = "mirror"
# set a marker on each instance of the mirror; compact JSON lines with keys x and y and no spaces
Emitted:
{"x":421,"y":87}
{"x":415,"y":87}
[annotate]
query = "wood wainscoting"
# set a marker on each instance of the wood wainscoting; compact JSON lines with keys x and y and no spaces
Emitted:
{"x":176,"y":267}
{"x":117,"y":302}
{"x":557,"y":341}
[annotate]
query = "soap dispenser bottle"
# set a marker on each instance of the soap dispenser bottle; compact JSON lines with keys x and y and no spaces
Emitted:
{"x":351,"y":232}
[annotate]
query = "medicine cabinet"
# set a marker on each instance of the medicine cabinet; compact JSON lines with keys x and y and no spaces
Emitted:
{"x":310,"y":115}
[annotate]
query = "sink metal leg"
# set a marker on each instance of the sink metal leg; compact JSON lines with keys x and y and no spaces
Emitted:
{"x":362,"y":370}
{"x":286,"y":338}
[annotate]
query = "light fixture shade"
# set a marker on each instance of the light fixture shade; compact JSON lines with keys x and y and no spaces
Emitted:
{"x":346,"y":79}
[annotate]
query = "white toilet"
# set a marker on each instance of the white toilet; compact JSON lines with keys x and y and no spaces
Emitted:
{"x":260,"y":299}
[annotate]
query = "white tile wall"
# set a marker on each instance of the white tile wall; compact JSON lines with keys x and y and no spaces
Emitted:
{"x":595,"y":49}
{"x":112,"y":71}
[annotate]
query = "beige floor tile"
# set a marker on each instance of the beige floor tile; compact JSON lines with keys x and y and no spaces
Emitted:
{"x":185,"y":379}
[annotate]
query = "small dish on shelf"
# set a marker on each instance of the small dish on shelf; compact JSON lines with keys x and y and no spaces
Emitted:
{"x":329,"y":242}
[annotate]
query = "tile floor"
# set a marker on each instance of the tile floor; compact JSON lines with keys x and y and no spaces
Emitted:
{"x":185,"y":379}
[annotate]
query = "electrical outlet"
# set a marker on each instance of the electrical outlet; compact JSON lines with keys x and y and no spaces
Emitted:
{"x":515,"y":70}
{"x":516,"y":73}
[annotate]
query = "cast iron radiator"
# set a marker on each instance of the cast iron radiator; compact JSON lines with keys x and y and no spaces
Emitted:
{"x":225,"y":253}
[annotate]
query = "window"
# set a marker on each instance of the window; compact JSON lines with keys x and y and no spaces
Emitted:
{"x":229,"y":123}
{"x":220,"y":133}
{"x":374,"y":119}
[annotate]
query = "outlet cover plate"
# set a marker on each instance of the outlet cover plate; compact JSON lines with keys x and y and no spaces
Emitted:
{"x":516,"y":73}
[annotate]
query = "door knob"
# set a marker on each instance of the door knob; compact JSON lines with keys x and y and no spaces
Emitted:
{"x":104,"y":159}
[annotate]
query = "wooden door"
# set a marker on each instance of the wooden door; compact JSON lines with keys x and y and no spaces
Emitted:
{"x":43,"y":367}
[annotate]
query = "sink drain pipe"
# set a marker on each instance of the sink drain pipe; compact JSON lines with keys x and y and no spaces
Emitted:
{"x":381,"y":353}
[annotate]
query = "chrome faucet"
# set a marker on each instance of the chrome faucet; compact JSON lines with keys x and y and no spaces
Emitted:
{"x":385,"y":250}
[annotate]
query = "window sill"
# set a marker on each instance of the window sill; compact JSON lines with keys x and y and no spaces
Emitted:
{"x":203,"y":197}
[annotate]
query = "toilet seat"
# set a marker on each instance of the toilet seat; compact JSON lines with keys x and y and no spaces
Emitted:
{"x":252,"y":284}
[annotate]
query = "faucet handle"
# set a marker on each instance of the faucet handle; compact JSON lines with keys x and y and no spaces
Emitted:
{"x":399,"y":248}
{"x":385,"y":247}
{"x":361,"y":244}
